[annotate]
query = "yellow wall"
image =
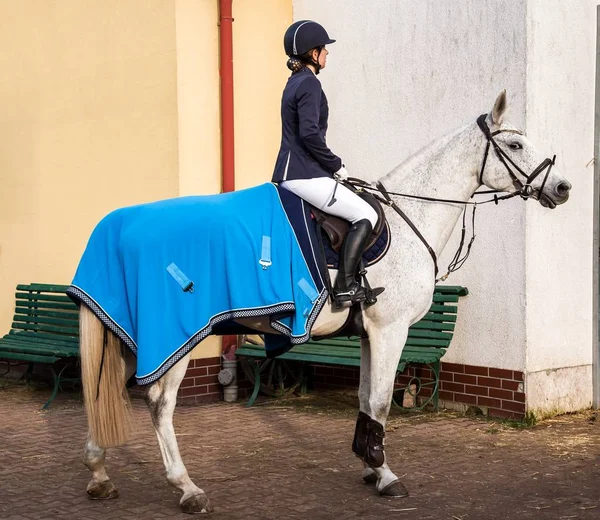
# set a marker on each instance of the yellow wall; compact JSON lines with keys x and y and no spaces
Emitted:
{"x":113,"y":103}
{"x":198,"y":97}
{"x":260,"y":74}
{"x":88,"y":123}
{"x":199,"y":110}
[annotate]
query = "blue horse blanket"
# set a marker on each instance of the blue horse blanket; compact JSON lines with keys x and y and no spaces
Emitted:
{"x":163,"y":276}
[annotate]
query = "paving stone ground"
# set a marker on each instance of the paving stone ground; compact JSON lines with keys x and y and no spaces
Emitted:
{"x":292,"y":459}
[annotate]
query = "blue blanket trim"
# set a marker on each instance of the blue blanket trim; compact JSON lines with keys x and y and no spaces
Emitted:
{"x":300,"y":218}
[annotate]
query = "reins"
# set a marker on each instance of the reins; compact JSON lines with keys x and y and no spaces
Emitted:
{"x":525,"y":191}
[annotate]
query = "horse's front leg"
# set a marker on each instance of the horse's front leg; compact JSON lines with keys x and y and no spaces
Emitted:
{"x":161,"y":399}
{"x":380,"y":355}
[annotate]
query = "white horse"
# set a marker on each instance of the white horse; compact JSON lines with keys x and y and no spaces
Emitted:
{"x":449,"y":168}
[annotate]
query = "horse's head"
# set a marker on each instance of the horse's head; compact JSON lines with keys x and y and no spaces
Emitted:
{"x":513,"y":163}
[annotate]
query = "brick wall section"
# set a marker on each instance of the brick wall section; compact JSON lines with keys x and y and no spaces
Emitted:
{"x":497,"y":392}
{"x":200,"y":384}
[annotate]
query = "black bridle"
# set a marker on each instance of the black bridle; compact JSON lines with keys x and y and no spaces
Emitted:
{"x":525,"y":191}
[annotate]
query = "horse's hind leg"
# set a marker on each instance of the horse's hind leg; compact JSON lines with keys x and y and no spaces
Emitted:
{"x":101,"y":487}
{"x":161,"y":399}
{"x":378,"y":372}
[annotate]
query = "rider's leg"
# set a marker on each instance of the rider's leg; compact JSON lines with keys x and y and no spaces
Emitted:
{"x":319,"y":192}
{"x":347,"y":205}
{"x":347,"y":287}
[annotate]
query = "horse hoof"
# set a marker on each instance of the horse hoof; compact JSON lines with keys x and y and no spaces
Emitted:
{"x":102,"y":490}
{"x":370,"y":478}
{"x":197,"y":504}
{"x":394,"y":489}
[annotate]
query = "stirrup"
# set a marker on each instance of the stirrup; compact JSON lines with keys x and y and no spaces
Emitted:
{"x":356,"y":294}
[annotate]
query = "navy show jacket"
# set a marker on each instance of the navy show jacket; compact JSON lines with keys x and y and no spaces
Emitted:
{"x":304,"y":112}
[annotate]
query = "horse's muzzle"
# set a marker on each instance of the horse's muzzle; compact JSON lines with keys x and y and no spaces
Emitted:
{"x":562,"y":191}
{"x":559,"y":195}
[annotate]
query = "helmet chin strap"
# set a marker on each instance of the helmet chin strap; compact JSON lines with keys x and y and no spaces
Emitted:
{"x":316,"y":63}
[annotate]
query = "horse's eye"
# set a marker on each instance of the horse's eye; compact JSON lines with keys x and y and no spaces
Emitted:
{"x":515,"y":146}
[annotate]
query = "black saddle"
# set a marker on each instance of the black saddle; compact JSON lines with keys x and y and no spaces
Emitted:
{"x":336,"y":228}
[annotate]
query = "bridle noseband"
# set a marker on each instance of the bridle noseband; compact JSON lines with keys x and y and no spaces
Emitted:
{"x":526,"y":190}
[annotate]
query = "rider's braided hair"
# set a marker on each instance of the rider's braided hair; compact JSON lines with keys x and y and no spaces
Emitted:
{"x":298,"y":62}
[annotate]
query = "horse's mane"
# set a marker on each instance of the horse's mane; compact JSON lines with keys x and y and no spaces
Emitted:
{"x":408,"y":166}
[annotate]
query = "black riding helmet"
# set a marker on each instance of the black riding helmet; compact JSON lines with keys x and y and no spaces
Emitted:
{"x":304,"y":35}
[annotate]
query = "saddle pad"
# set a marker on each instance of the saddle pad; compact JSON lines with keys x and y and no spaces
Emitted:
{"x":165,"y":275}
{"x":371,"y":256}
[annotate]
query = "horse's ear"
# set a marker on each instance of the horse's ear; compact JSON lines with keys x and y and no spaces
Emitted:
{"x":499,"y":109}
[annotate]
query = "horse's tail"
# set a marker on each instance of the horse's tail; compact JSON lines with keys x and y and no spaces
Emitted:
{"x":103,"y":375}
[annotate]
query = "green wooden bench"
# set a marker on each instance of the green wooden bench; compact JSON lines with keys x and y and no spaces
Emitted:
{"x":45,"y":329}
{"x":426,"y":344}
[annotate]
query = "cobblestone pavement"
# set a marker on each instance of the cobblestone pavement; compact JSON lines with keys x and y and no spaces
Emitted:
{"x":292,"y":460}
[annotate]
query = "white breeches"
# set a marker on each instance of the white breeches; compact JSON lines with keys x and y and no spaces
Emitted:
{"x":318,"y":192}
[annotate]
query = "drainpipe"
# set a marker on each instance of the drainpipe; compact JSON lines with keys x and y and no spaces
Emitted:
{"x":596,"y":239}
{"x":226,"y":71}
{"x":227,"y":130}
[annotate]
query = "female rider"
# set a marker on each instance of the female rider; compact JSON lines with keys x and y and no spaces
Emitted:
{"x":306,"y":166}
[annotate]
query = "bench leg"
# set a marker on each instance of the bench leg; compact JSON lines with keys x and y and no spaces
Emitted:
{"x":436,"y":388}
{"x":254,"y":395}
{"x":304,"y":379}
{"x":27,"y":374}
{"x":56,"y":386}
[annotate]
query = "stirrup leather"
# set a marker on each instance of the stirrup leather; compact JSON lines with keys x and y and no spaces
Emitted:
{"x":370,"y":292}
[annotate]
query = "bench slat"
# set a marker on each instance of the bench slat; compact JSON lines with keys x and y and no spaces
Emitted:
{"x":438,"y":316}
{"x":43,"y":298}
{"x":427,"y":342}
{"x":44,"y":328}
{"x":36,"y":337}
{"x":71,"y":314}
{"x":413,"y":335}
{"x":317,"y":347}
{"x":30,"y":357}
{"x":316,"y":350}
{"x":431,"y":325}
{"x":438,"y":298}
{"x":20,"y":346}
{"x":333,"y":360}
{"x":33,"y":318}
{"x":452,"y":289}
{"x":339,"y":356}
{"x":444,"y":309}
{"x":43,"y":287}
{"x":46,"y":335}
{"x":48,"y":305}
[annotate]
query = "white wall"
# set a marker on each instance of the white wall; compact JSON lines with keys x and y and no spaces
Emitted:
{"x":403,"y":73}
{"x":560,"y":113}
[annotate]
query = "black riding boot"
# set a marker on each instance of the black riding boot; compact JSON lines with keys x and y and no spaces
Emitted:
{"x":347,"y":288}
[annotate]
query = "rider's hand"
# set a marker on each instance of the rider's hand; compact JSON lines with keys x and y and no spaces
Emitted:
{"x":342,"y":174}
